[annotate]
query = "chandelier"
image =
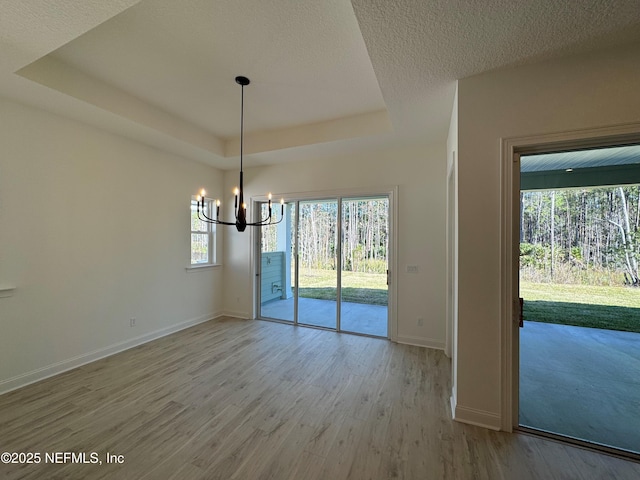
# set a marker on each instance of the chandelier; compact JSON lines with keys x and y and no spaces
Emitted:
{"x":240,"y":207}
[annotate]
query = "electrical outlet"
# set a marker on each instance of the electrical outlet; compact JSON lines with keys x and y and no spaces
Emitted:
{"x":412,"y":268}
{"x":132,"y":322}
{"x":420,"y":321}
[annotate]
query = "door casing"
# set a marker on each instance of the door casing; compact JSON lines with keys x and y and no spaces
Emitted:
{"x":510,"y":151}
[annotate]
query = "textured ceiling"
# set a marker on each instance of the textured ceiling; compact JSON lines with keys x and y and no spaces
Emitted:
{"x":327,"y":77}
{"x":419,"y":47}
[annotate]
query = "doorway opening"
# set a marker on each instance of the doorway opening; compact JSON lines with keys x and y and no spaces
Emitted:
{"x":327,"y":265}
{"x":578,"y":255}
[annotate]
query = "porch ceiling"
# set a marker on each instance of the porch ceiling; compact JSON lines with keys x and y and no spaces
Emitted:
{"x":581,"y":168}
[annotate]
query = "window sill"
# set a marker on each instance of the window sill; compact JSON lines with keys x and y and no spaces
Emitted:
{"x":6,"y":291}
{"x":205,"y":266}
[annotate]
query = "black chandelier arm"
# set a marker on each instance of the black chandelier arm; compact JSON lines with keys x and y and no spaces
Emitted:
{"x":264,"y":221}
{"x":211,"y":220}
{"x":205,"y":219}
{"x":268,"y":220}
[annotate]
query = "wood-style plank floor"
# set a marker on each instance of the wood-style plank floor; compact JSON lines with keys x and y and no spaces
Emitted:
{"x":242,"y":399}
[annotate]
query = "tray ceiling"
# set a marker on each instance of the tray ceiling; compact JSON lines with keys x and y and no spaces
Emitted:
{"x":327,"y":77}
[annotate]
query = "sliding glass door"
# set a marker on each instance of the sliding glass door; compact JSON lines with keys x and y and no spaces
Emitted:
{"x":365,"y":246}
{"x":326,"y":265}
{"x":277,"y":275}
{"x":317,"y":263}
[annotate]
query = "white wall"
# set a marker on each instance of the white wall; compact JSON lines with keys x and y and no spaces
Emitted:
{"x":588,"y":91}
{"x":419,"y":173}
{"x":94,"y":230}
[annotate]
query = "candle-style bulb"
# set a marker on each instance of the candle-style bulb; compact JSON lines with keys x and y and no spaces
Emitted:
{"x":236,"y":191}
{"x":217,"y":203}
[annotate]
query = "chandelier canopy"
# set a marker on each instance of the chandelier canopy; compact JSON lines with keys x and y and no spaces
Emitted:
{"x":240,"y":207}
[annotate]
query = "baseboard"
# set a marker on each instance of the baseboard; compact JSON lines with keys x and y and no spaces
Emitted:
{"x":420,"y":342}
{"x":476,"y":417}
{"x":39,"y":374}
{"x":229,"y":313}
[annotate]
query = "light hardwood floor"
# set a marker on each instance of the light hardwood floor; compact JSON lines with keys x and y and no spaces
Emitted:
{"x":242,"y":399}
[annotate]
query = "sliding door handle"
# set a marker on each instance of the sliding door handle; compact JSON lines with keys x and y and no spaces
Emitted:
{"x":521,"y":313}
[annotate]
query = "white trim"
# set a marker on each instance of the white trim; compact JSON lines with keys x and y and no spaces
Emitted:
{"x":39,"y":374}
{"x":392,"y":263}
{"x":204,"y":266}
{"x":595,"y":137}
{"x":480,"y":418}
{"x":211,"y":232}
{"x":506,"y":331}
{"x":254,"y":255}
{"x":452,"y":257}
{"x":420,"y":342}
{"x":240,"y":315}
{"x":330,"y":194}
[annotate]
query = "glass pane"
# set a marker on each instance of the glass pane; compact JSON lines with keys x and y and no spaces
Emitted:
{"x":269,"y":233}
{"x":364,"y":290}
{"x":317,"y":275}
{"x":198,"y":225}
{"x":276,"y":271}
{"x":199,"y":248}
{"x":579,"y":356}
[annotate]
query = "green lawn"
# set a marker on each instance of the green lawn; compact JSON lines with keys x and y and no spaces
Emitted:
{"x":612,"y":308}
{"x":369,"y":288}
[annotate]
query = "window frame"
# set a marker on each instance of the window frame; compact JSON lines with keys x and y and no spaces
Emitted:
{"x":210,"y":232}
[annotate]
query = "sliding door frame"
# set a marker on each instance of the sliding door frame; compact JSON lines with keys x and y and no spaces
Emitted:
{"x":391,"y":192}
{"x":510,"y":151}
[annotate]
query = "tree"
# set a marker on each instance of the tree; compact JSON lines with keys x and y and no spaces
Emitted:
{"x":583,"y":228}
{"x":628,"y":241}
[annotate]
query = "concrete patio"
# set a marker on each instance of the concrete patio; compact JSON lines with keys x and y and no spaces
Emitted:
{"x":354,"y":317}
{"x":581,"y":382}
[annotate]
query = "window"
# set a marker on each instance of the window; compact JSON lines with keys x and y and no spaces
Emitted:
{"x":203,"y":245}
